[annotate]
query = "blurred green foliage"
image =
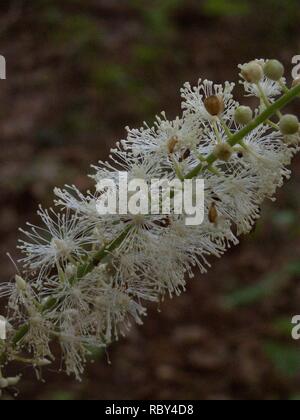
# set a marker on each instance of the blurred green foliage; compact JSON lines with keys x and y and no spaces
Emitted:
{"x":61,"y":395}
{"x":283,"y":354}
{"x":227,"y":7}
{"x":78,"y":32}
{"x":286,"y":358}
{"x":87,"y":42}
{"x":269,"y":285}
{"x":283,"y":326}
{"x":156,"y":13}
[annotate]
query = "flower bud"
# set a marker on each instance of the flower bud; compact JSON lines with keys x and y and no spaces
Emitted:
{"x":243,"y":115}
{"x":274,"y":70}
{"x":223,"y":151}
{"x":13,"y":381}
{"x":21,"y":284}
{"x":3,"y":383}
{"x":214,"y":105}
{"x":252,"y":72}
{"x":213,"y":214}
{"x":289,"y":124}
{"x":42,"y":362}
{"x":172,"y":144}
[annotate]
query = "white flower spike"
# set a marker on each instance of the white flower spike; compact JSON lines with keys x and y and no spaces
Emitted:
{"x":86,"y":277}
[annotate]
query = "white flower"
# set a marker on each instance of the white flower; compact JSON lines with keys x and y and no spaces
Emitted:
{"x":39,"y":335}
{"x":193,"y":99}
{"x":60,"y":241}
{"x":237,"y":198}
{"x":114,"y":312}
{"x":74,"y":353}
{"x":83,"y":205}
{"x":166,"y":141}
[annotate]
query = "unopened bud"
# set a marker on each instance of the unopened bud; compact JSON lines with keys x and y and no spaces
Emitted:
{"x":289,"y":124}
{"x":213,"y":214}
{"x":274,"y":70}
{"x":3,"y":383}
{"x":42,"y":362}
{"x":13,"y":381}
{"x":243,"y":115}
{"x":21,"y":284}
{"x":214,"y":105}
{"x":252,"y":72}
{"x":223,"y":152}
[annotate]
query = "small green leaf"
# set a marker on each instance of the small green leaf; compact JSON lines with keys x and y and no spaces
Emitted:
{"x":254,"y":293}
{"x":285,"y":358}
{"x":283,"y":326}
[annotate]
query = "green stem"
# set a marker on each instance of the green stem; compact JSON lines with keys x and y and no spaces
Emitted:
{"x":283,"y":86}
{"x":273,"y":125}
{"x":23,"y":330}
{"x":226,"y":128}
{"x":217,"y":133}
{"x":85,"y":269}
{"x":261,"y":119}
{"x":266,"y":99}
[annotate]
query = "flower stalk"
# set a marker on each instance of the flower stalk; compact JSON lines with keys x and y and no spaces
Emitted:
{"x":88,"y":283}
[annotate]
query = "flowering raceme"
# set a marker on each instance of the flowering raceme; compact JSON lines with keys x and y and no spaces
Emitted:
{"x":86,"y":277}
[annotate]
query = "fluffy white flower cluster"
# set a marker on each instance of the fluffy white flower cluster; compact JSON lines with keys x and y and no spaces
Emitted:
{"x":89,"y":276}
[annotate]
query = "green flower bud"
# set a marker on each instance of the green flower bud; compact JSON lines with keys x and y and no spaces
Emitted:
{"x":42,"y":362}
{"x":13,"y":381}
{"x":289,"y":124}
{"x":243,"y":115}
{"x":252,"y":72}
{"x":223,"y":152}
{"x":274,"y":70}
{"x":3,"y":383}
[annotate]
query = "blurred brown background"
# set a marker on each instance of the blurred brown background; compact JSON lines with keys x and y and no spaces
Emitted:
{"x":78,"y":72}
